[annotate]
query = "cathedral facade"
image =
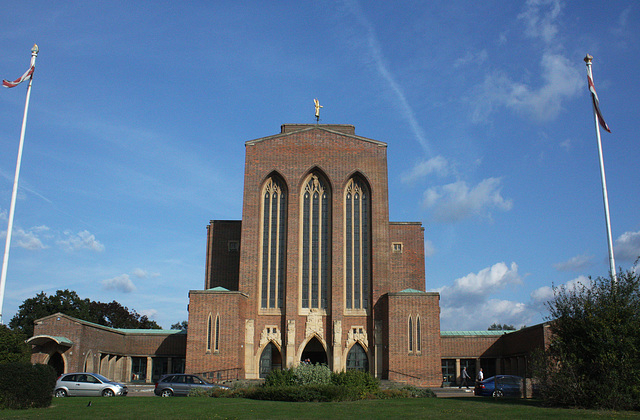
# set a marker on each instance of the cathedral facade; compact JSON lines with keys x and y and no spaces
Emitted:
{"x":315,"y":271}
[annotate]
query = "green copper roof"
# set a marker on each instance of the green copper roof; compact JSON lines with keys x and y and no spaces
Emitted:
{"x":412,"y":291}
{"x":459,"y":333}
{"x":218,"y":289}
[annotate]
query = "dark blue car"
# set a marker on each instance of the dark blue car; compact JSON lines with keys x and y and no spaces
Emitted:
{"x":500,"y":386}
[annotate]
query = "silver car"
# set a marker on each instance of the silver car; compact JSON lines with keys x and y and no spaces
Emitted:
{"x":84,"y":384}
{"x":181,"y":384}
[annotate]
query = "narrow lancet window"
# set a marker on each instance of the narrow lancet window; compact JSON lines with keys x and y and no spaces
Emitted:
{"x":357,"y":245}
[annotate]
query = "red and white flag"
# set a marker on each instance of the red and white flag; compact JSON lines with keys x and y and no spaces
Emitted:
{"x":596,"y":104}
{"x":16,"y":82}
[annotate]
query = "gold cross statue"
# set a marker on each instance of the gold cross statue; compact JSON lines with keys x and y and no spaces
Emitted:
{"x":318,"y":106}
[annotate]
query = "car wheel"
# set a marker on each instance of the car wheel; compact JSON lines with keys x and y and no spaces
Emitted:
{"x":497,"y":393}
{"x":166,"y":393}
{"x":108,"y":393}
{"x":60,"y":393}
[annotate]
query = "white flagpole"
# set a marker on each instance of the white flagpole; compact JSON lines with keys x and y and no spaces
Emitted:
{"x":5,"y":261}
{"x":605,"y":198}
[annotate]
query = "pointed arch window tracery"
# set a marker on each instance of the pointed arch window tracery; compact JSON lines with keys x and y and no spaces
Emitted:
{"x":315,"y":243}
{"x":273,"y":237}
{"x":357,"y":245}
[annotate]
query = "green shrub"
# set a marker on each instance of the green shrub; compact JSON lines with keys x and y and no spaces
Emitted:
{"x":211,"y":392}
{"x":23,"y":385}
{"x":307,"y":374}
{"x":280,"y":378}
{"x":303,"y":374}
{"x":363,"y":381}
{"x":302,"y":393}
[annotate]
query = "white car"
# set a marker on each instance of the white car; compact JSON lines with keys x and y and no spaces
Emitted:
{"x":84,"y":384}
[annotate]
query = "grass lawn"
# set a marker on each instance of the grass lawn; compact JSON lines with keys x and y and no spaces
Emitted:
{"x":227,"y":408}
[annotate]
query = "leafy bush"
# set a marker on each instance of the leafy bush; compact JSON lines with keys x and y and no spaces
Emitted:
{"x":212,"y":392}
{"x":303,"y":374}
{"x":307,"y":373}
{"x":23,"y":385}
{"x":13,"y":347}
{"x":593,"y":359}
{"x":303,"y":393}
{"x":360,"y":380}
{"x":280,"y":378}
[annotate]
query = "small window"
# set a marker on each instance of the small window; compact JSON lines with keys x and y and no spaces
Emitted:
{"x":397,"y":247}
{"x":234,"y":246}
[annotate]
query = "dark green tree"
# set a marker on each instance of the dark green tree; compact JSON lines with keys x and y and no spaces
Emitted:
{"x":69,"y":303}
{"x":66,"y":301}
{"x":593,"y":360}
{"x":182,"y":326}
{"x":501,"y":327}
{"x":13,"y":347}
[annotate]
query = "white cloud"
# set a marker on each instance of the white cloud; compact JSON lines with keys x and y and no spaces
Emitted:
{"x":561,"y":80}
{"x":466,"y":304}
{"x":83,"y":240}
{"x":438,"y":165}
{"x":481,"y":315}
{"x":121,"y":283}
{"x":31,"y":239}
{"x":150,"y":313}
{"x":457,"y":201}
{"x":143,"y":274}
{"x":627,"y":246}
{"x":485,"y":282}
{"x":540,"y":19}
{"x":577,"y":263}
{"x":544,"y":294}
{"x":470,"y":57}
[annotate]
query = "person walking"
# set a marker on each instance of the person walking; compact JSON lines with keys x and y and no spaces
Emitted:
{"x":465,"y":376}
{"x":480,"y":376}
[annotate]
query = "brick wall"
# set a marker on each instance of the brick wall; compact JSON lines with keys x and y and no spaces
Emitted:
{"x":407,"y":265}
{"x":230,"y":308}
{"x":223,"y":264}
{"x":420,"y":367}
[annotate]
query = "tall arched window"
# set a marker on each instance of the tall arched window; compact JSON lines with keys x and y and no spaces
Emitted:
{"x":418,"y":344}
{"x":216,"y":346}
{"x":209,"y":327}
{"x":273,"y":234}
{"x":315,"y":246}
{"x":410,"y":334}
{"x":357,"y":245}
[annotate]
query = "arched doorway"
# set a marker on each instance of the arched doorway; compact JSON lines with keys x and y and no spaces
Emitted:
{"x":57,"y":362}
{"x":314,"y":352}
{"x":271,"y":359}
{"x":357,"y":358}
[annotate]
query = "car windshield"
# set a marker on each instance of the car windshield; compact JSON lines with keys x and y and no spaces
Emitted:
{"x":102,"y":378}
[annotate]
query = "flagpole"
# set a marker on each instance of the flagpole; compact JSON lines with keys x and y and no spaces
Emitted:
{"x":5,"y":261}
{"x":605,"y":198}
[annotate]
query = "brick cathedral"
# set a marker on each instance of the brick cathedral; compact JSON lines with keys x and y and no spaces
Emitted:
{"x":315,"y":271}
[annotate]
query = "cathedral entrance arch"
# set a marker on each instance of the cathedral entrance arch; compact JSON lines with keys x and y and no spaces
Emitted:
{"x":357,"y":358}
{"x":314,"y":352}
{"x":57,"y":362}
{"x":270,"y":359}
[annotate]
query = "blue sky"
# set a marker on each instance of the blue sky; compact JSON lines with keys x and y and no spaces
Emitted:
{"x":140,"y":110}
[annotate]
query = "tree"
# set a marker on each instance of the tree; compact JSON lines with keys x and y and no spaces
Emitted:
{"x":13,"y":347}
{"x":501,"y":327}
{"x":182,"y":326}
{"x":69,"y":303}
{"x":593,"y":360}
